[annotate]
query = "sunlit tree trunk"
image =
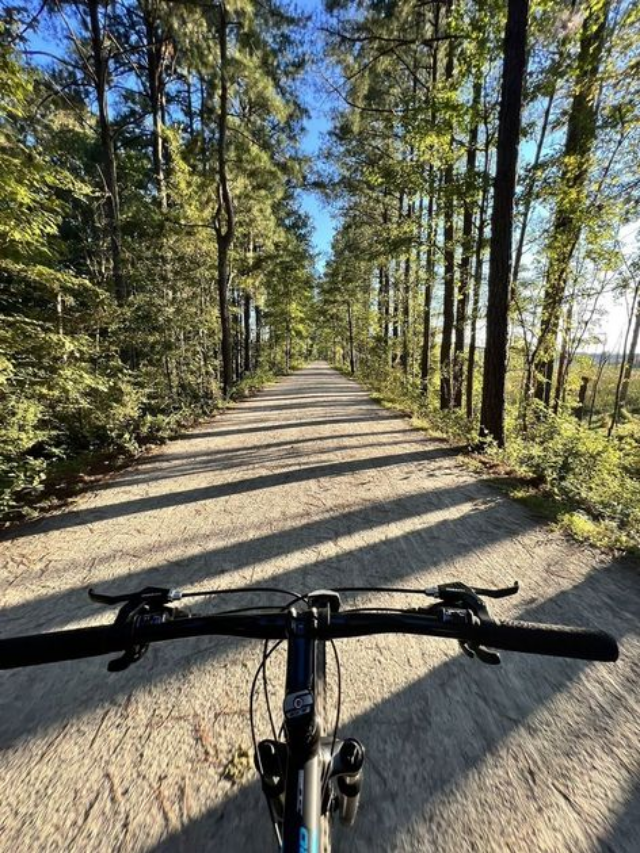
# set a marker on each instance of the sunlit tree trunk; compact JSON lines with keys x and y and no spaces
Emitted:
{"x":477,"y":284}
{"x":571,"y":204}
{"x":449,"y":297}
{"x":470,"y":199}
{"x":628,"y":359}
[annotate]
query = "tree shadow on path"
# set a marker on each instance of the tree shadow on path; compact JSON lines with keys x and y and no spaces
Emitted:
{"x":91,"y":515}
{"x":76,"y":687}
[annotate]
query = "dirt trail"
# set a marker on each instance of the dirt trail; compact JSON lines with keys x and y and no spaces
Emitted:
{"x":307,"y":485}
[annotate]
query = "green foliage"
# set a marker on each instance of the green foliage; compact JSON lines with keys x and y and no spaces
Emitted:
{"x":581,"y":468}
{"x":82,"y":375}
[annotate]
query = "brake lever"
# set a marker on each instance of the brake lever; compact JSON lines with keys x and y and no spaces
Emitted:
{"x":472,"y":650}
{"x":149,"y":603}
{"x":150,"y":594}
{"x":460,"y":595}
{"x":446,"y":591}
{"x":498,"y":593}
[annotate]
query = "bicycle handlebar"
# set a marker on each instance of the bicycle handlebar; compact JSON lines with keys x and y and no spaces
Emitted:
{"x":79,"y":643}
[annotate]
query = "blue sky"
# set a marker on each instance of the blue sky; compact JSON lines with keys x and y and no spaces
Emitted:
{"x":319,"y":103}
{"x":323,"y":225}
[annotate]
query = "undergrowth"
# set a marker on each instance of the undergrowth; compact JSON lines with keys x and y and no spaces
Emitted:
{"x":587,"y":484}
{"x":45,"y":460}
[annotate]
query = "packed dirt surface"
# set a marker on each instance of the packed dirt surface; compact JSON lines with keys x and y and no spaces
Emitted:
{"x":310,"y":484}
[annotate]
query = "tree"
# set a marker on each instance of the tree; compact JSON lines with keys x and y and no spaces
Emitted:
{"x":630,"y":343}
{"x":495,"y":353}
{"x":571,"y":204}
{"x":224,"y":218}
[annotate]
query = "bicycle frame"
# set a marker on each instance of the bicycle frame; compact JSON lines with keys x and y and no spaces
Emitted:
{"x":306,"y":761}
{"x":321,"y":773}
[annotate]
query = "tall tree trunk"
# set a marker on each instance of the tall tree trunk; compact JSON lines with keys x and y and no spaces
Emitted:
{"x":406,"y":313}
{"x":631,"y":356}
{"x":204,"y":148}
{"x":470,"y":199}
{"x":425,"y":360}
{"x":387,"y":316}
{"x":477,"y":283}
{"x":386,"y":284}
{"x":381,"y":299}
{"x":495,"y":353}
{"x":189,"y":105}
{"x":352,"y":353}
{"x":563,"y":362}
{"x":601,"y":366}
{"x":397,"y":292}
{"x":529,"y":193}
{"x":236,"y":322}
{"x":571,"y":204}
{"x":449,"y":298}
{"x":156,"y":82}
{"x":395,"y":315}
{"x":247,"y":332}
{"x":418,"y":274}
{"x":109,"y":168}
{"x":224,"y":220}
{"x":257,"y":310}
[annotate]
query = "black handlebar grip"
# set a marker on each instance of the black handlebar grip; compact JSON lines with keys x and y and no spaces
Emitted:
{"x":35,"y":649}
{"x":555,"y":640}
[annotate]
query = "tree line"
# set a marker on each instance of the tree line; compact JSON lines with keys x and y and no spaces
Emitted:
{"x":483,"y":164}
{"x":153,"y":251}
{"x":437,"y":99}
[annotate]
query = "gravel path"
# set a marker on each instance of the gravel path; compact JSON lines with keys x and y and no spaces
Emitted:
{"x":311,"y":484}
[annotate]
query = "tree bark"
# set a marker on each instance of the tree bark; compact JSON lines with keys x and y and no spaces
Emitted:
{"x":571,"y":205}
{"x":628,"y":358}
{"x":247,"y":332}
{"x":563,"y":361}
{"x":258,"y":350}
{"x":425,"y":360}
{"x":449,"y":298}
{"x":224,"y":220}
{"x":352,"y":354}
{"x":477,"y":285}
{"x":528,"y":194}
{"x":406,"y":313}
{"x":495,"y":354}
{"x":109,"y":166}
{"x":631,"y":357}
{"x":465,"y":260}
{"x":156,"y":82}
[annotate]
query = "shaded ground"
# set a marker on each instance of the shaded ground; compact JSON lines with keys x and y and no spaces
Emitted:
{"x":307,"y":485}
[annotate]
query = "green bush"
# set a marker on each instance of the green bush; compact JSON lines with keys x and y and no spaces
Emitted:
{"x":579,"y":466}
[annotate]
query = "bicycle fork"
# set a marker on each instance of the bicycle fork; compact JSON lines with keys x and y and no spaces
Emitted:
{"x":297,"y":774}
